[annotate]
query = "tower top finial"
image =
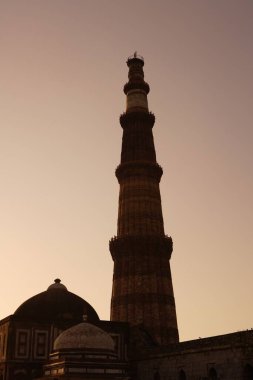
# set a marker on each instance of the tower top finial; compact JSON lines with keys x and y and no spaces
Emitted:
{"x":135,"y":56}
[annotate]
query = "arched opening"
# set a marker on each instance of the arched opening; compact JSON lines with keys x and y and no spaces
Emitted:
{"x":212,"y":374}
{"x":157,"y":375}
{"x":248,"y":372}
{"x":182,"y":375}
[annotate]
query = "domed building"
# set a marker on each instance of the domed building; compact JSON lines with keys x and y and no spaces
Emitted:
{"x":56,"y":304}
{"x":27,"y":337}
{"x":82,"y":351}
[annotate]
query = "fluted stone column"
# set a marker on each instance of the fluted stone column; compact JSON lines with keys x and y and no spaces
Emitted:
{"x":142,"y":286}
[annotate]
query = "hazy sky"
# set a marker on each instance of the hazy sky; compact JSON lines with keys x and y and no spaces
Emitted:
{"x":62,"y":70}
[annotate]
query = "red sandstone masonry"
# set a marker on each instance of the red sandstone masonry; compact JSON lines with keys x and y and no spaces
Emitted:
{"x":142,"y":285}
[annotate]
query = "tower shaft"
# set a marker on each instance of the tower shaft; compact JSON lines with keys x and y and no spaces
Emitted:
{"x":142,"y":291}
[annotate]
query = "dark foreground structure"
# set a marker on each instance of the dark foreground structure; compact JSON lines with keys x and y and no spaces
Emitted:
{"x":57,"y":335}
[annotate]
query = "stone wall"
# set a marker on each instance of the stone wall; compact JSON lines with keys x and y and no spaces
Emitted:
{"x":223,"y":357}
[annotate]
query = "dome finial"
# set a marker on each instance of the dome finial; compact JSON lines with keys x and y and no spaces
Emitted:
{"x":57,"y":285}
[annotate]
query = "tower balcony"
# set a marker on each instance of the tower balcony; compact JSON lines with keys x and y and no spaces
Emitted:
{"x":127,"y":119}
{"x":128,"y":245}
{"x":139,"y":169}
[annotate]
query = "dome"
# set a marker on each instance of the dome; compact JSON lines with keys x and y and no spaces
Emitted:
{"x":84,"y":336}
{"x":56,"y":304}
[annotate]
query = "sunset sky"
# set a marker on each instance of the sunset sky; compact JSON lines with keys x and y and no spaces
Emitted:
{"x":62,"y":70}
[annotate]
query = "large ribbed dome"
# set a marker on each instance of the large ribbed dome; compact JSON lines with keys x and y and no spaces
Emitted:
{"x":84,"y":336}
{"x":56,"y":304}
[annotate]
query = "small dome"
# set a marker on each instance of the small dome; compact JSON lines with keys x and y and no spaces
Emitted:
{"x":84,"y":336}
{"x":56,"y":304}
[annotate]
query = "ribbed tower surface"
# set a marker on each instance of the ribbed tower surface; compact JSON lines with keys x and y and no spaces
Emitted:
{"x":142,"y":291}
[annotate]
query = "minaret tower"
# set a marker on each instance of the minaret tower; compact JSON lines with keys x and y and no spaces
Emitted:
{"x":142,"y":291}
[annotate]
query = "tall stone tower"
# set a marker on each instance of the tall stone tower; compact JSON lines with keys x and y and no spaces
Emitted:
{"x":142,"y":286}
